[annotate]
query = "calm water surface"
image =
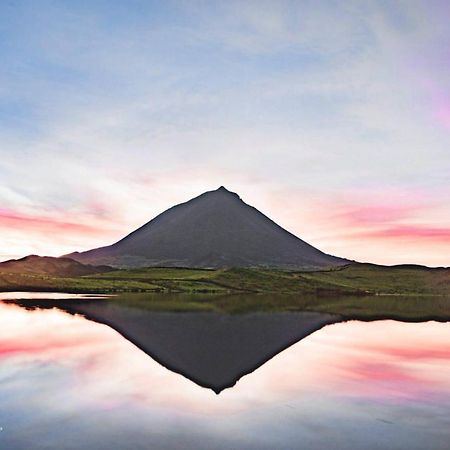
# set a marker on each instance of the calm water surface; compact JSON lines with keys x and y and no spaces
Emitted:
{"x":69,"y":383}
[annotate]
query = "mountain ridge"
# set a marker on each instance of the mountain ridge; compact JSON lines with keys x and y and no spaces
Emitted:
{"x":49,"y":265}
{"x":213,"y":230}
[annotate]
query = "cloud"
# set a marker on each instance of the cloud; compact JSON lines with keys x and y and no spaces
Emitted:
{"x":11,"y":219}
{"x":306,"y":98}
{"x":405,"y":232}
{"x":372,"y":215}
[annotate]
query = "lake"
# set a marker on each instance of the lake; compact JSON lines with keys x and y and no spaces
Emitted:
{"x":92,"y":374}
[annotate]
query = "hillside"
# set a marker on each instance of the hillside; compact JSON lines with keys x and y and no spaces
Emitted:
{"x":47,"y":265}
{"x":355,"y":279}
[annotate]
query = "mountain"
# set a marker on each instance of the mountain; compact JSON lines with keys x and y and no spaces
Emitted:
{"x":216,"y":229}
{"x":47,"y":265}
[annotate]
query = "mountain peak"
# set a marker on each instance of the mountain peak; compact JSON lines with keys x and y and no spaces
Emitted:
{"x":215,"y":229}
{"x":224,"y":191}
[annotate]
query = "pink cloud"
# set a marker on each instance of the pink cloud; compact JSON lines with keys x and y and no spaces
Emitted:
{"x":409,"y":232}
{"x":375,"y":214}
{"x":443,"y":115}
{"x":440,"y":102}
{"x":12,"y":219}
{"x":348,"y":223}
{"x":354,"y":223}
{"x":361,"y":207}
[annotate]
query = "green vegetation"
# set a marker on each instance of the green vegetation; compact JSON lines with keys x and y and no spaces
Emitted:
{"x":360,"y":291}
{"x":219,"y":281}
{"x":360,"y":279}
{"x":31,"y":282}
{"x":382,"y":280}
{"x":355,"y":279}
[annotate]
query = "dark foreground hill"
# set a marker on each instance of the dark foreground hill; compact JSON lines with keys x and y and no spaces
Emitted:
{"x":216,"y":229}
{"x":47,"y":265}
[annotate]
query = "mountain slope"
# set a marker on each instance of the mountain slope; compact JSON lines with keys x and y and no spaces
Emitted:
{"x":47,"y":265}
{"x":216,"y":229}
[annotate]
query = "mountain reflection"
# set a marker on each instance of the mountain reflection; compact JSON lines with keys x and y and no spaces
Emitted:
{"x":211,"y":349}
{"x":365,"y":385}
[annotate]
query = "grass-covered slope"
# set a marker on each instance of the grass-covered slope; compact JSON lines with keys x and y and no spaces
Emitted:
{"x":35,"y":282}
{"x":224,"y":280}
{"x":49,"y":265}
{"x":384,"y":280}
{"x":353,"y":279}
{"x":359,"y":279}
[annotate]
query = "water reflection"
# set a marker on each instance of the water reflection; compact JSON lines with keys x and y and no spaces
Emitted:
{"x":46,"y":296}
{"x":212,"y":349}
{"x":67,"y":382}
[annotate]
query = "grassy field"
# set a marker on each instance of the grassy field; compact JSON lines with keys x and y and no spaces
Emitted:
{"x":30,"y":282}
{"x":354,"y":279}
{"x":357,"y":279}
{"x":381,"y":280}
{"x":227,"y":280}
{"x":360,"y":291}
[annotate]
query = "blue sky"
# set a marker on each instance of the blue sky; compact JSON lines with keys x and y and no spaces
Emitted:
{"x":331,"y":117}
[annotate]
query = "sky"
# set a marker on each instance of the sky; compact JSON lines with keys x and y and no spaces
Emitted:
{"x":332,"y":118}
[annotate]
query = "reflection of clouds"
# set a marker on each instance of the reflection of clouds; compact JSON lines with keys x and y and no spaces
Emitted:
{"x":389,"y":360}
{"x":45,"y":295}
{"x":45,"y":334}
{"x":383,"y":361}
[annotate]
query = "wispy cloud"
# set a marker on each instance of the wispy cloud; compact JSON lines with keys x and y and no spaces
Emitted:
{"x":411,"y":233}
{"x":114,"y":113}
{"x":11,"y":219}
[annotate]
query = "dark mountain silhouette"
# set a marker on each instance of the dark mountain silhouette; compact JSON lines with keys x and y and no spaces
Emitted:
{"x":213,"y":350}
{"x":216,"y":229}
{"x":47,"y":265}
